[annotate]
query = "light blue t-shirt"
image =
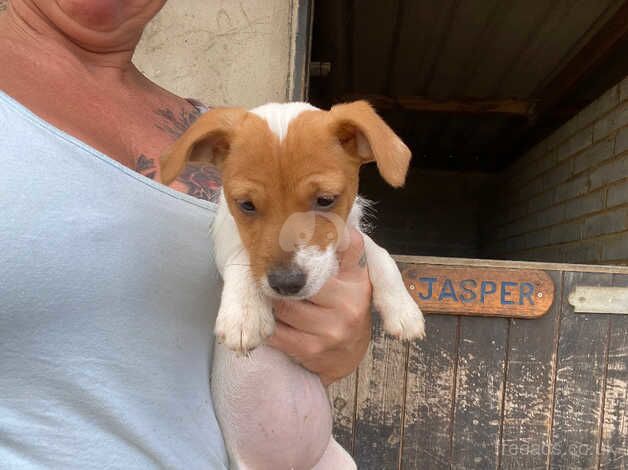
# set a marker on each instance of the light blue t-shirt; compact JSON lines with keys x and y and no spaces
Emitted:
{"x":108,"y":295}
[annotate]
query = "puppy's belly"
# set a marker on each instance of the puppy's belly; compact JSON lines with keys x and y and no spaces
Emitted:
{"x":273,"y":413}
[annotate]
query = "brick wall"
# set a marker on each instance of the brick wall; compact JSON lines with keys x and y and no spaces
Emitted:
{"x":566,"y":200}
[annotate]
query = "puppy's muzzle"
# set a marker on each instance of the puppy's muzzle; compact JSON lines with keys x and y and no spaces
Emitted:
{"x":287,"y":281}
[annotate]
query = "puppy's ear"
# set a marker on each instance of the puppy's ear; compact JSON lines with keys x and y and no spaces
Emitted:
{"x":365,"y":135}
{"x":207,"y":139}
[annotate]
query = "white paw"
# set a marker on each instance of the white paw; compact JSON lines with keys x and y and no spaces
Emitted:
{"x":244,"y":326}
{"x":402,"y":317}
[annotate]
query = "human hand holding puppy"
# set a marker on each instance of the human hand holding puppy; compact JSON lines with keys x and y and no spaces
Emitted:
{"x":329,"y":334}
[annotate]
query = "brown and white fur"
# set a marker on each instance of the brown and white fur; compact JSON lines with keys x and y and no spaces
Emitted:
{"x":276,"y":235}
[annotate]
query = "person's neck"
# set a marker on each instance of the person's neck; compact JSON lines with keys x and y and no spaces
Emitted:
{"x":105,"y":55}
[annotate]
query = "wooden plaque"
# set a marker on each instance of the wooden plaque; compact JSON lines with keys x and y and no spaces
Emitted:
{"x":463,"y":290}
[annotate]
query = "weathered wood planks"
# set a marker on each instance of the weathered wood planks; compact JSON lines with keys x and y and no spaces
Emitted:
{"x":429,"y":396}
{"x":496,"y":393}
{"x":614,"y":442}
{"x":342,"y":397}
{"x":579,"y":387}
{"x":479,"y":392}
{"x":380,"y":401}
{"x":529,"y":389}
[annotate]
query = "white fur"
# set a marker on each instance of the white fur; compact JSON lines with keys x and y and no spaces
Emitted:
{"x":227,"y":242}
{"x":400,"y":313}
{"x":245,"y":318}
{"x":279,"y":115}
{"x":360,"y":214}
{"x":320,"y":265}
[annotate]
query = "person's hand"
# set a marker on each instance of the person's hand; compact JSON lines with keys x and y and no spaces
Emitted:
{"x":329,"y":333}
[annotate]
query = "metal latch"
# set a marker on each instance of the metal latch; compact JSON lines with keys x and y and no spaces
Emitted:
{"x":591,"y":299}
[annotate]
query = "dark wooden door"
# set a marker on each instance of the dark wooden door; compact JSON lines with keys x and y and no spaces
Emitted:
{"x":495,"y":393}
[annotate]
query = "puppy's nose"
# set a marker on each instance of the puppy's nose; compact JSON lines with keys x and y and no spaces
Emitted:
{"x":287,"y":281}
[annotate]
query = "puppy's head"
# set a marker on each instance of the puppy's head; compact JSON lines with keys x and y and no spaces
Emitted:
{"x":290,"y":175}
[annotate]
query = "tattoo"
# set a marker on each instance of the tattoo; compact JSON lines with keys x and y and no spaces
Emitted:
{"x":146,"y":166}
{"x":362,"y":261}
{"x":3,"y":5}
{"x":175,"y":125}
{"x":201,"y":180}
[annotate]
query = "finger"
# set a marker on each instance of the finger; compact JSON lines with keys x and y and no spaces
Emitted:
{"x":354,"y":256}
{"x":352,"y":271}
{"x":290,"y":341}
{"x":304,"y":316}
{"x":333,"y":292}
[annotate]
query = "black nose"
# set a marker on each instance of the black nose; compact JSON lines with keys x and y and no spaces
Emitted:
{"x":287,"y":281}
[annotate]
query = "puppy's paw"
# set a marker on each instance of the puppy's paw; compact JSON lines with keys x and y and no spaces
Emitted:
{"x":243,"y":327}
{"x":402,"y":317}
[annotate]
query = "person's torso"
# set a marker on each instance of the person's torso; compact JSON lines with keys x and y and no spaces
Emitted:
{"x":108,"y":294}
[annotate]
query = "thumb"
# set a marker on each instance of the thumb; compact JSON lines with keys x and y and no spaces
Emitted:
{"x":354,"y":256}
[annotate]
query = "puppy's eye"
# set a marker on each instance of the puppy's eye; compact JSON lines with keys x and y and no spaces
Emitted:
{"x":247,"y":207}
{"x":325,"y":202}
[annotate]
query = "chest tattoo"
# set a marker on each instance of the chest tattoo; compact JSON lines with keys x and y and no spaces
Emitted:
{"x":196,"y":179}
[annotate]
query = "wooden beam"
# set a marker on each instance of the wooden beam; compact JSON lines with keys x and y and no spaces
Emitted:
{"x":600,"y":45}
{"x":469,"y":106}
{"x":510,"y":106}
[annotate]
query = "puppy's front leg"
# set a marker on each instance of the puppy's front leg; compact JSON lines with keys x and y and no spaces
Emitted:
{"x":400,"y":313}
{"x":245,"y":318}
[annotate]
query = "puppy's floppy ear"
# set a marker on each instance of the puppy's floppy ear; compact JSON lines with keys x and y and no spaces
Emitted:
{"x":365,"y":135}
{"x":207,"y":139}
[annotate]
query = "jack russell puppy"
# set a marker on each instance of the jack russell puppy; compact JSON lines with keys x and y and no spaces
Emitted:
{"x":290,"y":182}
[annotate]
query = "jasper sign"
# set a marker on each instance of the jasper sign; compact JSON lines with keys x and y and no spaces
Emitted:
{"x":461,"y":290}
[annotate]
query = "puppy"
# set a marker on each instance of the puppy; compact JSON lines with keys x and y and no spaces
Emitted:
{"x":290,"y":175}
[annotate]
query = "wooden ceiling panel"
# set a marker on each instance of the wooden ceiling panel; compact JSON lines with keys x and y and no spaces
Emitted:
{"x":418,"y":45}
{"x":499,"y":53}
{"x":467,"y":78}
{"x":559,"y":37}
{"x":470,"y":28}
{"x":372,"y":44}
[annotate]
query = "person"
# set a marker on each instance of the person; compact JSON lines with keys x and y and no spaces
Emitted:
{"x":107,"y":286}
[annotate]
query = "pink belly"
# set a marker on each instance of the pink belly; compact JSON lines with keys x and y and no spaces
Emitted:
{"x":273,"y":413}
